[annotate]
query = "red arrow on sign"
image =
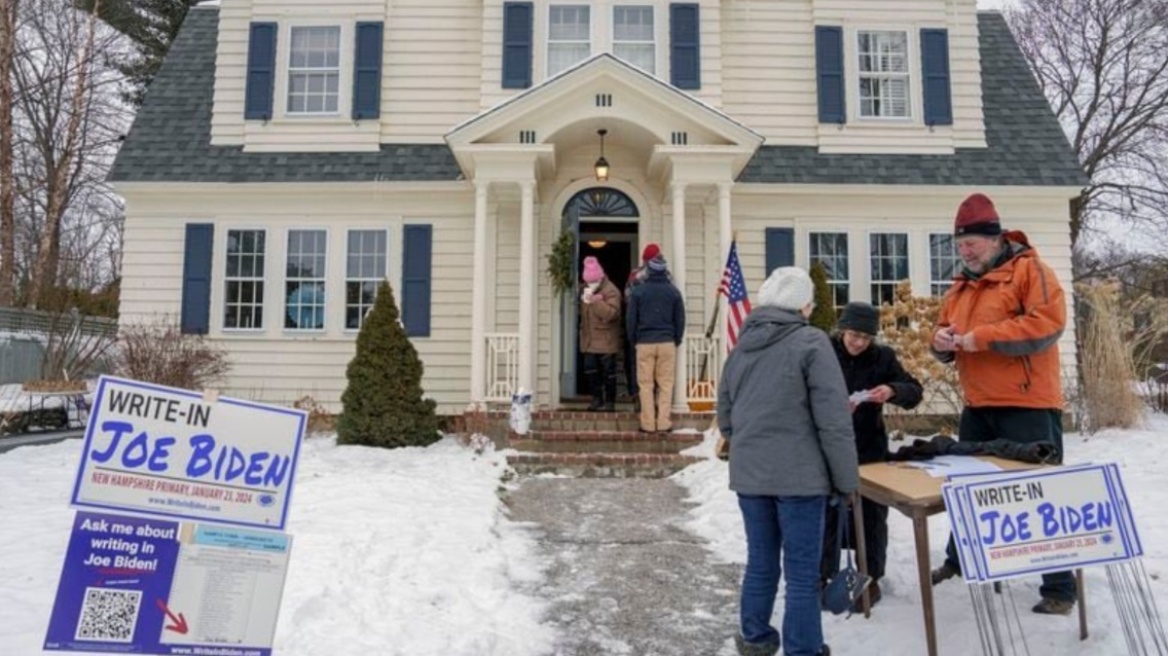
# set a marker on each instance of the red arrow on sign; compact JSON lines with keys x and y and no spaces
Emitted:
{"x":180,"y":622}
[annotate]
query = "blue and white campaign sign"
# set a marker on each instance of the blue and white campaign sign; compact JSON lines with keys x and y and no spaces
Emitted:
{"x":167,"y":451}
{"x":134,"y":585}
{"x":1045,"y":520}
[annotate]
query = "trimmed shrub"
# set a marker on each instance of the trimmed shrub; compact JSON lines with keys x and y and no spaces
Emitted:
{"x":383,"y":403}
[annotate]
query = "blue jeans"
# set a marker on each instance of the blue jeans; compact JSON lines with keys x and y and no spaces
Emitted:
{"x":790,"y":528}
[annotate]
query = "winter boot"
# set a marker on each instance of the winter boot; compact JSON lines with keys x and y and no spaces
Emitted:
{"x":755,"y":648}
{"x":1050,"y":606}
{"x":610,"y":394}
{"x":944,"y":573}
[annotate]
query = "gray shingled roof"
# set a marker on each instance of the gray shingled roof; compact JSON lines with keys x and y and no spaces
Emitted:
{"x":170,"y":138}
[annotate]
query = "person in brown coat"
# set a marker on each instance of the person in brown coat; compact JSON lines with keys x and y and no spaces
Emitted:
{"x":600,"y":334}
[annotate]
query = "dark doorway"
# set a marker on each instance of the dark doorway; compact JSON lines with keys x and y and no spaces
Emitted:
{"x":614,"y":245}
{"x":604,"y":223}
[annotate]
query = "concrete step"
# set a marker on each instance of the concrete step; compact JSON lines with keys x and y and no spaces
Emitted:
{"x":601,"y":465}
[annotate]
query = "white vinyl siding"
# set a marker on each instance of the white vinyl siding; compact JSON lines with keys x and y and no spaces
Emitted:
{"x":304,"y":280}
{"x":314,"y":70}
{"x":569,"y":36}
{"x":365,"y":268}
{"x":882,"y":62}
{"x":944,"y":262}
{"x":633,"y":36}
{"x":831,"y":249}
{"x":243,"y":280}
{"x":889,"y":265}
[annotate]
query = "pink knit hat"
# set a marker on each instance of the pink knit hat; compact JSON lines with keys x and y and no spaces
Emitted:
{"x":592,"y":270}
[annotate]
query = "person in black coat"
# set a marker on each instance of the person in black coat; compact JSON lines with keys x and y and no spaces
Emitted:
{"x":874,"y":377}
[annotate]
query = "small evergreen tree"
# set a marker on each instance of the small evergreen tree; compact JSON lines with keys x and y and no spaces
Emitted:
{"x":823,"y":316}
{"x":383,"y":404}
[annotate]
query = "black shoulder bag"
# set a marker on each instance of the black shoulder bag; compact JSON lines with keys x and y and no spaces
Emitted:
{"x":845,"y":588}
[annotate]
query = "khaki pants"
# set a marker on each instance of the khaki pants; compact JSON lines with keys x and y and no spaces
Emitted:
{"x":655,"y":364}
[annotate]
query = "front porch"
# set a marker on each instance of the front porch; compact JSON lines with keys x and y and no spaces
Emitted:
{"x":671,"y":159}
{"x":702,"y":358}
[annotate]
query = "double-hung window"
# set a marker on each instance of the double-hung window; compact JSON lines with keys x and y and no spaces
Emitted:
{"x":569,"y":36}
{"x":633,"y":37}
{"x":244,"y":292}
{"x":365,"y":268}
{"x":889,"y":265}
{"x":943,"y":263}
{"x":304,"y":279}
{"x":883,"y":73}
{"x":831,"y":250}
{"x":314,"y":70}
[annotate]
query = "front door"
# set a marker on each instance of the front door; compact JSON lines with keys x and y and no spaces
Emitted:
{"x":604,"y":221}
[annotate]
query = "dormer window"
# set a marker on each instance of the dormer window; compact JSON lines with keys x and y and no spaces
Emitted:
{"x":314,"y":70}
{"x":633,"y":36}
{"x":883,"y":74}
{"x":569,"y":36}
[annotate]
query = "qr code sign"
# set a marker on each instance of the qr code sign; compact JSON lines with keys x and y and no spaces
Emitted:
{"x":109,"y":615}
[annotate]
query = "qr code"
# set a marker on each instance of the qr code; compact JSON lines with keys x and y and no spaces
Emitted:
{"x":109,"y":615}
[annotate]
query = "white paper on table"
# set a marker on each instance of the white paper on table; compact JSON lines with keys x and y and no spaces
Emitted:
{"x":943,"y":466}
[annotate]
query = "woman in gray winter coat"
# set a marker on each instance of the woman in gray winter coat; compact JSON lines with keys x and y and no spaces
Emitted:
{"x":783,"y":407}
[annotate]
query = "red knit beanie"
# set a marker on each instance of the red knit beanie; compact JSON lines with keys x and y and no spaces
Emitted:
{"x":977,"y":216}
{"x":651,"y":251}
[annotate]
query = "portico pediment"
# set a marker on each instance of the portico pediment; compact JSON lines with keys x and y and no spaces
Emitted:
{"x":638,"y":110}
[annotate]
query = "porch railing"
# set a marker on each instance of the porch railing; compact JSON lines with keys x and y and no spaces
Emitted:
{"x":502,"y":366}
{"x":704,"y":368}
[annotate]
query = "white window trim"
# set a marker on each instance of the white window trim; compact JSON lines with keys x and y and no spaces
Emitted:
{"x":280,"y":111}
{"x":593,"y":15}
{"x":852,"y":77}
{"x":221,"y":303}
{"x":324,"y":278}
{"x":850,"y":281}
{"x":601,"y":33}
{"x":345,"y":279}
{"x":656,"y":34}
{"x":908,"y":250}
{"x":929,"y":259}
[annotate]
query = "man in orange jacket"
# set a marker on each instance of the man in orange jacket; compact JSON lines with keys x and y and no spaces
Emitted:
{"x":1001,"y":322}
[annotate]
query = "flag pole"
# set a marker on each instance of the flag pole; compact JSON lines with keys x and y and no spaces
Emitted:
{"x":717,"y":306}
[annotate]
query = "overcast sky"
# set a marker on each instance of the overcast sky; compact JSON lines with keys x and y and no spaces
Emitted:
{"x":994,"y":4}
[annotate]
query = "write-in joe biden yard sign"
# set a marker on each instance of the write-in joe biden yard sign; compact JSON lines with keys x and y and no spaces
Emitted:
{"x":167,"y":451}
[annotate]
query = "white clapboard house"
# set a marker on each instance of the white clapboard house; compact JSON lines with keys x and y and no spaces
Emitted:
{"x":293,"y":153}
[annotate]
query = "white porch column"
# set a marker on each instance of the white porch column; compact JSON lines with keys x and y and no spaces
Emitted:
{"x":478,"y":306}
{"x":681,"y":375}
{"x":527,"y":286}
{"x":724,"y":236}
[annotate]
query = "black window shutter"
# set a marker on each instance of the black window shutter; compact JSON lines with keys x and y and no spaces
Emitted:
{"x":261,"y":71}
{"x":517,"y":25}
{"x":685,"y":61}
{"x":416,"y":275}
{"x":367,"y":70}
{"x":196,"y":291}
{"x":829,"y":66}
{"x":780,"y":248}
{"x":935,"y":69}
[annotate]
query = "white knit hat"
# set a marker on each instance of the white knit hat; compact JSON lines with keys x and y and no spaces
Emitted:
{"x":789,"y":288}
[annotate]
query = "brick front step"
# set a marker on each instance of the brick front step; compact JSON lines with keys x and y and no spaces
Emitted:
{"x":601,"y":465}
{"x":495,"y":423}
{"x":603,"y":442}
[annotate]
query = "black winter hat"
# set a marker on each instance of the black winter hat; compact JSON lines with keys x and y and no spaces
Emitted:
{"x":860,"y":317}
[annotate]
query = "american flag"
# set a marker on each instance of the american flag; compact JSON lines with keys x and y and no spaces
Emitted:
{"x":734,"y":289}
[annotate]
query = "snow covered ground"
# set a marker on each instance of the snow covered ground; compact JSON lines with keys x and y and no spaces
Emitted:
{"x":410,"y":552}
{"x":896,"y":626}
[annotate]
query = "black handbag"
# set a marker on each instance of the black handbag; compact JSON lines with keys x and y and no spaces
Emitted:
{"x":845,"y":588}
